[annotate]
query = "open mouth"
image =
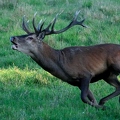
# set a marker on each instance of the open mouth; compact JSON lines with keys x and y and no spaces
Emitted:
{"x":14,"y":45}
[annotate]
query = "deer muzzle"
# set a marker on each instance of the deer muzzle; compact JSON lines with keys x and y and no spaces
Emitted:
{"x":14,"y":44}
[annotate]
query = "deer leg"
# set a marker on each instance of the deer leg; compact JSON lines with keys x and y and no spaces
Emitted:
{"x":86,"y":94}
{"x":112,"y":80}
{"x":91,"y":97}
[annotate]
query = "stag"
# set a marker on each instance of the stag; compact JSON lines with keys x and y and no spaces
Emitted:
{"x":77,"y":65}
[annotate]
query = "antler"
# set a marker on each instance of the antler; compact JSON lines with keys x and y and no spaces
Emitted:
{"x":50,"y":28}
{"x":72,"y":23}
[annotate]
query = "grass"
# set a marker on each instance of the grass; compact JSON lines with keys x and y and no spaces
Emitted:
{"x":27,"y":92}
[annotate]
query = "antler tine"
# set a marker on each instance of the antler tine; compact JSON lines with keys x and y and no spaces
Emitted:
{"x":24,"y":26}
{"x":52,"y":27}
{"x":76,"y":14}
{"x":54,"y":21}
{"x":81,"y":23}
{"x":39,"y":25}
{"x":33,"y":21}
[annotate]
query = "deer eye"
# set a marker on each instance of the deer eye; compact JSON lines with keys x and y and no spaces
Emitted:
{"x":30,"y":38}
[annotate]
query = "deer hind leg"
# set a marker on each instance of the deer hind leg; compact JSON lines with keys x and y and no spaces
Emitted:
{"x":112,"y":80}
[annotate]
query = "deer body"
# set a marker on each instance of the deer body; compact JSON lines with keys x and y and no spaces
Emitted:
{"x":78,"y":65}
{"x":73,"y":63}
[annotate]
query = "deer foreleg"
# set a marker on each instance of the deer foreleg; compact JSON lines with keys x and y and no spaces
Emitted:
{"x":86,"y":94}
{"x":91,"y":97}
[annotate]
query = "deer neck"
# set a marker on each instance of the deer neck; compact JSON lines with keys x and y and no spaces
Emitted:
{"x":46,"y":56}
{"x":50,"y":60}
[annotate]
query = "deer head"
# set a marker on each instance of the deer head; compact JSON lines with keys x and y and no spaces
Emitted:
{"x":29,"y":42}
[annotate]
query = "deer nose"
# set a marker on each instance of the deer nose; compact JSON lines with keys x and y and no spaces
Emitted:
{"x":12,"y":39}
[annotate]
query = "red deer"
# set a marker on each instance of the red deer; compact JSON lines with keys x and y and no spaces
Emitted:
{"x":77,"y":65}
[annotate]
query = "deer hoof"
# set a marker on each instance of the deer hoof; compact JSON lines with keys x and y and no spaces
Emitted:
{"x":101,"y":107}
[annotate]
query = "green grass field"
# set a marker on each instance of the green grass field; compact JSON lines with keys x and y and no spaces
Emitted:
{"x":27,"y":92}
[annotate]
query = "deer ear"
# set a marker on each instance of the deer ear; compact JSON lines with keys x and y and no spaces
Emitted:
{"x":41,"y":36}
